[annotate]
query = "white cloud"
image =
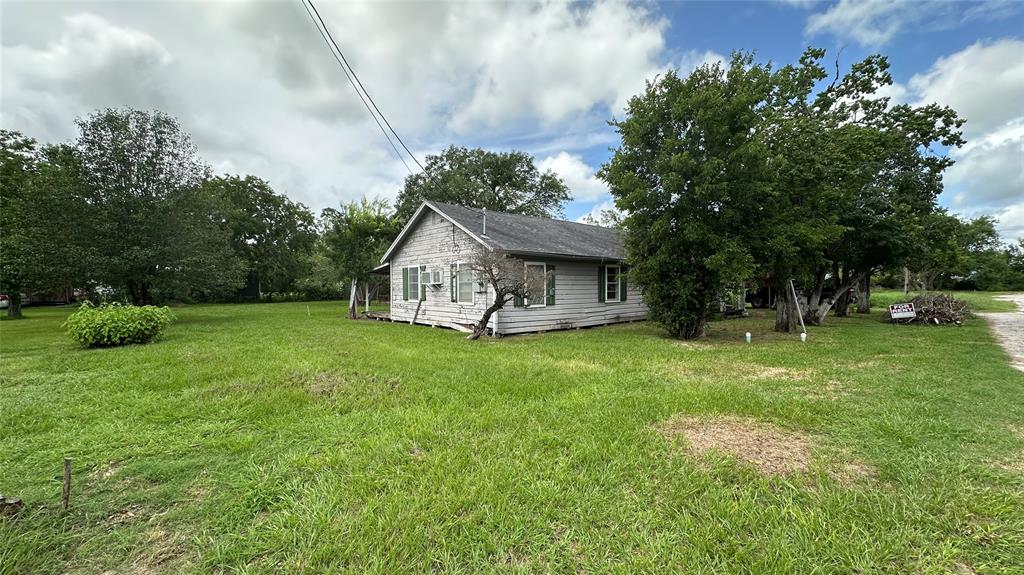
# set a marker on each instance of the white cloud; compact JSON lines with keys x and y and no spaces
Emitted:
{"x":1011,"y":221}
{"x":257,"y":88}
{"x":984,"y":83}
{"x":874,"y":23}
{"x":580,"y":177}
{"x":552,"y":60}
{"x":86,"y":67}
{"x":595,"y":213}
{"x":871,"y":23}
{"x":990,"y":170}
{"x":694,"y":59}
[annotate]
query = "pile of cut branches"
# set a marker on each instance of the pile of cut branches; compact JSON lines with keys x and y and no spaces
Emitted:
{"x":938,"y":309}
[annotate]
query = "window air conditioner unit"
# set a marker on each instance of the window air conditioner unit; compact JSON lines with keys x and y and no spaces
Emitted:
{"x":430,"y":277}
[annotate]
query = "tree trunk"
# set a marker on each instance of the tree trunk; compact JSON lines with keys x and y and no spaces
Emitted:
{"x":787,"y":318}
{"x":367,"y":292}
{"x":906,"y":280}
{"x":695,"y":329}
{"x":481,"y":326}
{"x":814,"y":301}
{"x":14,"y":304}
{"x":352,"y":300}
{"x":864,"y":293}
{"x":842,"y":305}
{"x":823,"y":307}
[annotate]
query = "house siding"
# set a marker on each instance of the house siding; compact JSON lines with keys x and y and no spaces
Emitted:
{"x":436,"y":243}
{"x":576,"y":303}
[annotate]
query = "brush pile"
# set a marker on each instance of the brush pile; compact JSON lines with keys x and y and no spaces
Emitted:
{"x":938,"y":309}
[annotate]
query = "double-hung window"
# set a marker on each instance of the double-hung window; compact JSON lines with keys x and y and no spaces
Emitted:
{"x":536,"y":277}
{"x":411,"y":281}
{"x":612,"y":284}
{"x":464,"y":283}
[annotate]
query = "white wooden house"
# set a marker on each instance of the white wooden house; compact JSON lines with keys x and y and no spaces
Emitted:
{"x":431,"y":282}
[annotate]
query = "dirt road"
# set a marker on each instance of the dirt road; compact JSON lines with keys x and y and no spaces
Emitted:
{"x":1009,"y":329}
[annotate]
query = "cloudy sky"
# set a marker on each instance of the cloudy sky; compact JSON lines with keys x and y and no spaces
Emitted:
{"x":260,"y":93}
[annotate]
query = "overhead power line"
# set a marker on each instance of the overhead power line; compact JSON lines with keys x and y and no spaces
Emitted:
{"x":357,"y":85}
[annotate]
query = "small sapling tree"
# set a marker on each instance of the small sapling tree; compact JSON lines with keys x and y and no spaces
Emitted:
{"x":509,"y":278}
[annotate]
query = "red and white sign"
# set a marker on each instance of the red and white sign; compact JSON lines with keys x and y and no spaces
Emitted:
{"x":902,"y":311}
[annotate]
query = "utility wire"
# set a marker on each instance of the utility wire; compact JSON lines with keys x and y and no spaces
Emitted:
{"x":329,"y":40}
{"x":358,"y":81}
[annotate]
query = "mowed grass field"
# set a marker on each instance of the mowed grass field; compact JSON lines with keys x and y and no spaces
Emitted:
{"x":283,"y":438}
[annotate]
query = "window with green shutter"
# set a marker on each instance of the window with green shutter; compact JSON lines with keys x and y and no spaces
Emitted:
{"x":622,"y":282}
{"x":411,"y":284}
{"x":550,"y":285}
{"x":452,"y":282}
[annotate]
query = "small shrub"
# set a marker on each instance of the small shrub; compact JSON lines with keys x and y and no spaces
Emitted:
{"x":938,"y":309}
{"x":116,"y":324}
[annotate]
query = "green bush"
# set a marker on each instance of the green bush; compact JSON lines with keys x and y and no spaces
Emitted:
{"x":116,"y":324}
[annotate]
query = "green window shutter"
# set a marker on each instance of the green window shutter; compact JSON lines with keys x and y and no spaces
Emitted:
{"x":453,"y":283}
{"x":550,"y":300}
{"x":405,"y":284}
{"x":622,"y":282}
{"x":423,"y":286}
{"x":517,"y":301}
{"x":600,"y":284}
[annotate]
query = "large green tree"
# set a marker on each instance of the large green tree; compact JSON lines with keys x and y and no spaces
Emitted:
{"x":356,"y":236}
{"x":688,"y":174}
{"x":852,"y":175}
{"x":156,"y":238}
{"x":46,"y":219}
{"x":270,"y":233}
{"x":18,"y":163}
{"x":498,"y":181}
{"x":753,"y":163}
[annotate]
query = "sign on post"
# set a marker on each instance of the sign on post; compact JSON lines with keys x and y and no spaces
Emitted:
{"x":902,"y":311}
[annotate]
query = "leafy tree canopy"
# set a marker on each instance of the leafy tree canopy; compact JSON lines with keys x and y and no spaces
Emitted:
{"x":751,"y":168}
{"x":499,"y":181}
{"x":154,"y":235}
{"x":356,"y":236}
{"x":270,"y":233}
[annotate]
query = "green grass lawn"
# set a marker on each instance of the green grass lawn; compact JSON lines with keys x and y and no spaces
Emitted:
{"x":283,"y":438}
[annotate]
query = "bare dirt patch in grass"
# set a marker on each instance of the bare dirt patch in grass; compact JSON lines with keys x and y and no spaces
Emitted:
{"x":738,"y":370}
{"x":107,"y":471}
{"x":769,"y":372}
{"x":163,"y":552}
{"x":768,"y":448}
{"x":333,"y":383}
{"x":832,"y":389}
{"x":579,"y":366}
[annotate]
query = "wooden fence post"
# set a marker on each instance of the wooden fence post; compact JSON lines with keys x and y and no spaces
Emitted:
{"x":65,"y":494}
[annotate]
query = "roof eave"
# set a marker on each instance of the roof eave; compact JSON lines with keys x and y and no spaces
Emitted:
{"x":573,"y":257}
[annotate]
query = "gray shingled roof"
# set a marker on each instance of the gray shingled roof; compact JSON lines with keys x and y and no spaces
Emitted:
{"x":528,"y":235}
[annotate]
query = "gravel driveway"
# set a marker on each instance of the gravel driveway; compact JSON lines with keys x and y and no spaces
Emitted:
{"x":1009,"y":329}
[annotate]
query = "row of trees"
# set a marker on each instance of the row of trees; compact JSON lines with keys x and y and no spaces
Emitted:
{"x":750,"y":171}
{"x":130,"y":209}
{"x":961,"y":254}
